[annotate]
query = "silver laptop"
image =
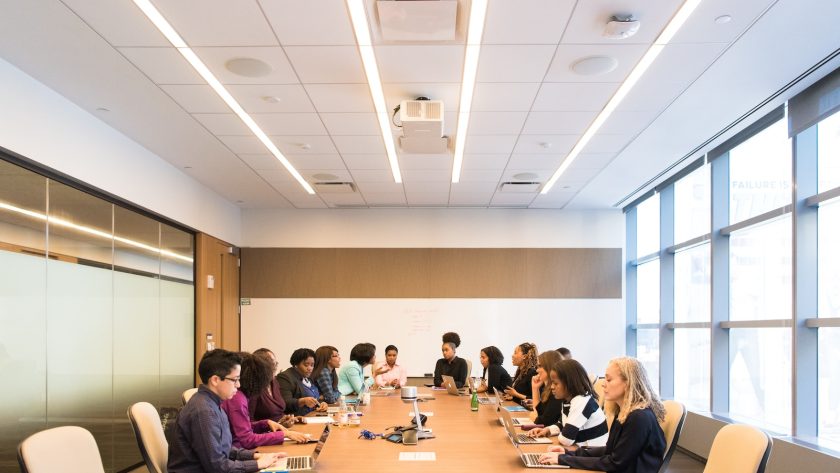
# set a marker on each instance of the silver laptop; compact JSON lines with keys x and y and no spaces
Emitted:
{"x":518,"y":438}
{"x":517,"y":421}
{"x":451,"y":387}
{"x":300,"y":463}
{"x":532,"y":460}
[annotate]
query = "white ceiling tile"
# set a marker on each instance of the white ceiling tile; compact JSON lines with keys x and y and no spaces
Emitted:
{"x":371,"y":175}
{"x":351,"y":123}
{"x":702,"y":28}
{"x":474,"y":187}
{"x":261,"y":161}
{"x":506,"y":63}
{"x":120,"y":23}
{"x":338,"y":199}
{"x":552,"y":200}
{"x":196,"y":98}
{"x":593,"y":160}
{"x":515,"y":199}
{"x":545,"y":144}
{"x":302,"y":22}
{"x":484,"y":161}
{"x":496,"y":123}
{"x":340,"y":97}
{"x":290,"y":123}
{"x":580,"y":174}
{"x":628,"y":123}
{"x":280,"y":179}
{"x":368,"y":162}
{"x":422,"y":199}
{"x":327,"y":64}
{"x":341,"y":175}
{"x":218,"y":22}
{"x":281,"y":71}
{"x":536,"y":161}
{"x":436,"y":162}
{"x":481,"y":175}
{"x":526,"y":21}
{"x":604,"y":143}
{"x":558,"y":123}
{"x":163,"y":65}
{"x":370,"y":144}
{"x":567,"y":54}
{"x":574,"y":96}
{"x":304,"y":144}
{"x":243,"y":144}
{"x":308,"y":203}
{"x":380,"y":187}
{"x":384,"y":198}
{"x":591,"y":17}
{"x":504,"y":97}
{"x":430,"y":176}
{"x":478,"y":199}
{"x":315,"y":161}
{"x":426,"y":187}
{"x":542,"y":174}
{"x":487,"y":144}
{"x":290,"y":98}
{"x":448,"y":93}
{"x":223,"y":124}
{"x":412,"y":64}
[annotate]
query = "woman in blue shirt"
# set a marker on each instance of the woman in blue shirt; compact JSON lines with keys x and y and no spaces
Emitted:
{"x":351,"y":378}
{"x":299,"y":391}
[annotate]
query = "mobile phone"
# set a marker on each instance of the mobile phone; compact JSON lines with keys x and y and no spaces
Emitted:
{"x":396,"y":437}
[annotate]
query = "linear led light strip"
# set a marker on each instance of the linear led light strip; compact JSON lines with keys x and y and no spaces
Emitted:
{"x":92,"y":231}
{"x":360,"y":26}
{"x":664,"y":38}
{"x":478,"y":11}
{"x":160,"y":22}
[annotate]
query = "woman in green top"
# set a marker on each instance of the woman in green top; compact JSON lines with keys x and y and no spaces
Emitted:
{"x":351,"y":378}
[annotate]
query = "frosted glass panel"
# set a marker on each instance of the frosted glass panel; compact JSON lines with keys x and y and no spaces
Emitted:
{"x":692,"y":284}
{"x":692,"y":359}
{"x":23,"y":204}
{"x":177,"y":329}
{"x":80,"y":225}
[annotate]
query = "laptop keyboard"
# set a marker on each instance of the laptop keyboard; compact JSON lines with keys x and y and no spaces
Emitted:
{"x":522,"y":438}
{"x":531,"y":458}
{"x":297,"y":463}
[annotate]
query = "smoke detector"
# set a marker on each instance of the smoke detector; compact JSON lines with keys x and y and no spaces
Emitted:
{"x":621,"y":27}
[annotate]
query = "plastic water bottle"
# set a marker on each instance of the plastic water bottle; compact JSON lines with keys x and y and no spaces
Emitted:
{"x":342,"y":403}
{"x":474,"y":401}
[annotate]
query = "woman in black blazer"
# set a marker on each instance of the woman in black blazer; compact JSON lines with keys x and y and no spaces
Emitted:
{"x":494,"y":377}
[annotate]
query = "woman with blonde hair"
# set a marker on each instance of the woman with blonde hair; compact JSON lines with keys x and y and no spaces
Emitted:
{"x":525,"y":358}
{"x":636,"y":443}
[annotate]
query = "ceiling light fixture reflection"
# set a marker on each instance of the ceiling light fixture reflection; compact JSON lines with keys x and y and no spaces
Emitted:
{"x":664,"y":38}
{"x":358,"y":16}
{"x":92,"y":231}
{"x":169,"y":32}
{"x":478,"y":11}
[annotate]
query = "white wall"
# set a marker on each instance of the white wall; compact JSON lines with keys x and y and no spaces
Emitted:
{"x":433,"y":228}
{"x":41,"y":125}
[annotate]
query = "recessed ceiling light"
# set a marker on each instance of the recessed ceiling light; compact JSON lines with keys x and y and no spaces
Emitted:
{"x":323,"y":176}
{"x":723,"y":19}
{"x":248,"y":67}
{"x":271,"y":99}
{"x":525,"y":176}
{"x":594,"y":65}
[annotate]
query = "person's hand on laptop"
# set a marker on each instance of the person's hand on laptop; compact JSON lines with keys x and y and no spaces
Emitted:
{"x":265,"y":460}
{"x":557,"y":449}
{"x":549,"y":459}
{"x":298,"y":437}
{"x":538,"y":432}
{"x":275,"y":426}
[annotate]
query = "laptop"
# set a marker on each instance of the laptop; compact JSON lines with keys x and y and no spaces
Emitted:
{"x":519,"y":438}
{"x":451,"y":387}
{"x":532,"y":460}
{"x":300,"y":463}
{"x":517,"y":421}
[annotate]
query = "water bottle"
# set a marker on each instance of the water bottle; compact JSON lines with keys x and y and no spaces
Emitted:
{"x":342,"y":403}
{"x":474,"y":401}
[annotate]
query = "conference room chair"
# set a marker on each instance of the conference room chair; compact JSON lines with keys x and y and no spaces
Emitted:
{"x":186,"y":395}
{"x":68,"y":449}
{"x":739,"y":448}
{"x":672,"y":426}
{"x":469,"y":372}
{"x":148,"y":431}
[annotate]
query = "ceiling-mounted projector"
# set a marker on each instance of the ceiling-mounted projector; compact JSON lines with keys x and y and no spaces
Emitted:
{"x":422,"y":127}
{"x":621,"y":27}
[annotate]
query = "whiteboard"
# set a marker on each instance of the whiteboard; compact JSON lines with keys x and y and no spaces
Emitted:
{"x":593,"y":329}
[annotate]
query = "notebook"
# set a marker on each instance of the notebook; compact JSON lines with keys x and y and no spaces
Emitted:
{"x":518,"y":438}
{"x":300,"y":463}
{"x":451,"y":387}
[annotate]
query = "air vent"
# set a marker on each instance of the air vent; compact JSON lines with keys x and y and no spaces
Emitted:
{"x":418,"y":20}
{"x":520,"y":187}
{"x":335,"y":187}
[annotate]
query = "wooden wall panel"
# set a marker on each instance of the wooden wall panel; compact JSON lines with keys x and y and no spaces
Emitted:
{"x":431,"y":272}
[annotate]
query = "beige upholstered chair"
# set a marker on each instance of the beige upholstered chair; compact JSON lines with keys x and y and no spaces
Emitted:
{"x":739,"y":448}
{"x":186,"y":395}
{"x":69,"y":449}
{"x":149,"y":434}
{"x":672,"y":426}
{"x":469,"y":373}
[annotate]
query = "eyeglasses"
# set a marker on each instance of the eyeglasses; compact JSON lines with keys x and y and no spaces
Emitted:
{"x":232,"y":380}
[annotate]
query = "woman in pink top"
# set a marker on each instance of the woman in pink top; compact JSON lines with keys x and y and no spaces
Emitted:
{"x":255,"y":377}
{"x":396,"y":375}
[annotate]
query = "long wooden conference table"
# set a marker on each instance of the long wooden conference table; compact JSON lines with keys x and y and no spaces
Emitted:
{"x":464,"y":440}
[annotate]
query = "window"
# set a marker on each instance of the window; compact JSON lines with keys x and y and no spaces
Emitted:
{"x":691,"y":345}
{"x":759,"y":377}
{"x":828,"y":152}
{"x":759,"y":173}
{"x":692,"y":205}
{"x":647,"y":339}
{"x":829,"y":387}
{"x":647,"y":225}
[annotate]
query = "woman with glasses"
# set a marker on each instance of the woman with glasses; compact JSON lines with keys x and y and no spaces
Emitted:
{"x":254,"y":378}
{"x":301,"y":394}
{"x":327,"y":360}
{"x":525,"y":359}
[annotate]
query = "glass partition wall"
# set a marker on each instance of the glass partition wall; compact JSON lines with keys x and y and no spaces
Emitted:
{"x":96,"y":310}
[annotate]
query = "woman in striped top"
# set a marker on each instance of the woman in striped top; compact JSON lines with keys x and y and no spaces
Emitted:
{"x":582,"y":422}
